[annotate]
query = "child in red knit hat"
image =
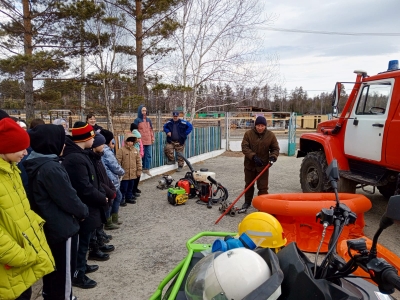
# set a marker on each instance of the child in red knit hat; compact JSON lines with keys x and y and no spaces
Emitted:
{"x":85,"y":181}
{"x":25,"y":256}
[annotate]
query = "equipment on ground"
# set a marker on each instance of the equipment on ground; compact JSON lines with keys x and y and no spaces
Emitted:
{"x":202,"y":184}
{"x":293,"y":275}
{"x":363,"y":138}
{"x":165,"y":182}
{"x":177,"y":196}
{"x":231,"y":207}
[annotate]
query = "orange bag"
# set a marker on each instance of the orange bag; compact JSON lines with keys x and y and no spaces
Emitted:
{"x":296,"y":212}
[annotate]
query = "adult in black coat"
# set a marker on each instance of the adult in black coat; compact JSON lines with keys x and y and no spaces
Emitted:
{"x":52,"y":196}
{"x":85,"y":181}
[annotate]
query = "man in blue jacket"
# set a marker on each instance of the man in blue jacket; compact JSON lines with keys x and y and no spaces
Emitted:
{"x":177,"y":131}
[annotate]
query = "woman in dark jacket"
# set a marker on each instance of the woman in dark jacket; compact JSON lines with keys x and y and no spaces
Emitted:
{"x":91,"y":120}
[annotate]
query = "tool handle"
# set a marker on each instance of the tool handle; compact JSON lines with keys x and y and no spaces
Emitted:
{"x":212,"y":180}
{"x":245,"y":190}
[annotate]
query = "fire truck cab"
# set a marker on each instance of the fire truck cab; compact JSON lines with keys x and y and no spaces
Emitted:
{"x":364,"y":138}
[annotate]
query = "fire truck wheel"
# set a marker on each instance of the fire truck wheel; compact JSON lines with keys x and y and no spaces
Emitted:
{"x":312,"y":173}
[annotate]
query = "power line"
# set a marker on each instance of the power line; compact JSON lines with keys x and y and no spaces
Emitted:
{"x":331,"y":32}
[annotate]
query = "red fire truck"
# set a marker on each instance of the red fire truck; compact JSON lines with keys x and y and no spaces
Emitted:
{"x":364,"y":137}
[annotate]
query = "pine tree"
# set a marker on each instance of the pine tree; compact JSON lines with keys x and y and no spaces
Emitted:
{"x":40,"y":40}
{"x":154,"y":22}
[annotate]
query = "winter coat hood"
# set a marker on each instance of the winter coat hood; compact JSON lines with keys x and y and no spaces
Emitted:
{"x":35,"y":161}
{"x":34,"y":155}
{"x":144,"y":127}
{"x":139,"y":112}
{"x":47,"y":139}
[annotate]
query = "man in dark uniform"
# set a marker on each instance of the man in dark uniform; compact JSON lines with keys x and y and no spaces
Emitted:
{"x":259,"y":147}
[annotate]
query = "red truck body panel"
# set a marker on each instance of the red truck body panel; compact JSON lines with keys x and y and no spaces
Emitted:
{"x":333,"y":144}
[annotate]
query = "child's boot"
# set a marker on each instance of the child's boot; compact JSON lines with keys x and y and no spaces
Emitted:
{"x":110,"y":225}
{"x":115,"y":219}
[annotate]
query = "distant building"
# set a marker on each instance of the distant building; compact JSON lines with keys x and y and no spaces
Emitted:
{"x":252,"y":109}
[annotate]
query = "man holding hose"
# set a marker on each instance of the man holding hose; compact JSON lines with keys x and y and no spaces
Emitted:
{"x":259,"y":147}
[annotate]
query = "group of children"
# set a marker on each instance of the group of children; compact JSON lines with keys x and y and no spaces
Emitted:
{"x":75,"y":186}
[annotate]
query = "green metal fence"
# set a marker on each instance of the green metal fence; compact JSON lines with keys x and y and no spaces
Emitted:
{"x":200,"y":140}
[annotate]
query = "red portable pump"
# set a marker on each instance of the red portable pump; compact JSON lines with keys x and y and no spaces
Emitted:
{"x":200,"y":184}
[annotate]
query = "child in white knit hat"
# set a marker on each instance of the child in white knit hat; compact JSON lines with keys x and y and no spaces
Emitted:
{"x":139,"y":146}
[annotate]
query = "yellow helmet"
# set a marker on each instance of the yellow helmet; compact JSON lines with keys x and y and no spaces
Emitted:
{"x":261,"y":226}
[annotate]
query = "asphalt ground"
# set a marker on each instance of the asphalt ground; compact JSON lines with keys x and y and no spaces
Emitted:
{"x":151,"y":241}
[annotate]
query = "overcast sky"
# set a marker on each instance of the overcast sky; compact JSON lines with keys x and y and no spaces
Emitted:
{"x":317,"y":61}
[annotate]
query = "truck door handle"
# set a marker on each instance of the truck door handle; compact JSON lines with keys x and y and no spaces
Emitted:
{"x":377,"y":125}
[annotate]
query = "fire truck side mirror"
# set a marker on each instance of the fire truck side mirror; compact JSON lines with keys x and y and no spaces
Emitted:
{"x":335,"y":100}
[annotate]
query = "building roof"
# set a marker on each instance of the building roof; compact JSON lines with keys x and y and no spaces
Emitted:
{"x":253,"y":108}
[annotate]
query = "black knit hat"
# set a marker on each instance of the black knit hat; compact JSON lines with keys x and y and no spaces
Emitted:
{"x":47,"y":139}
{"x":108,"y":135}
{"x":131,"y":139}
{"x":99,"y":140}
{"x":3,"y":114}
{"x":79,"y":124}
{"x":133,"y":126}
{"x":260,"y":121}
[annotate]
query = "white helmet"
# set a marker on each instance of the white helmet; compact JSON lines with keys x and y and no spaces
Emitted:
{"x":227,"y":275}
